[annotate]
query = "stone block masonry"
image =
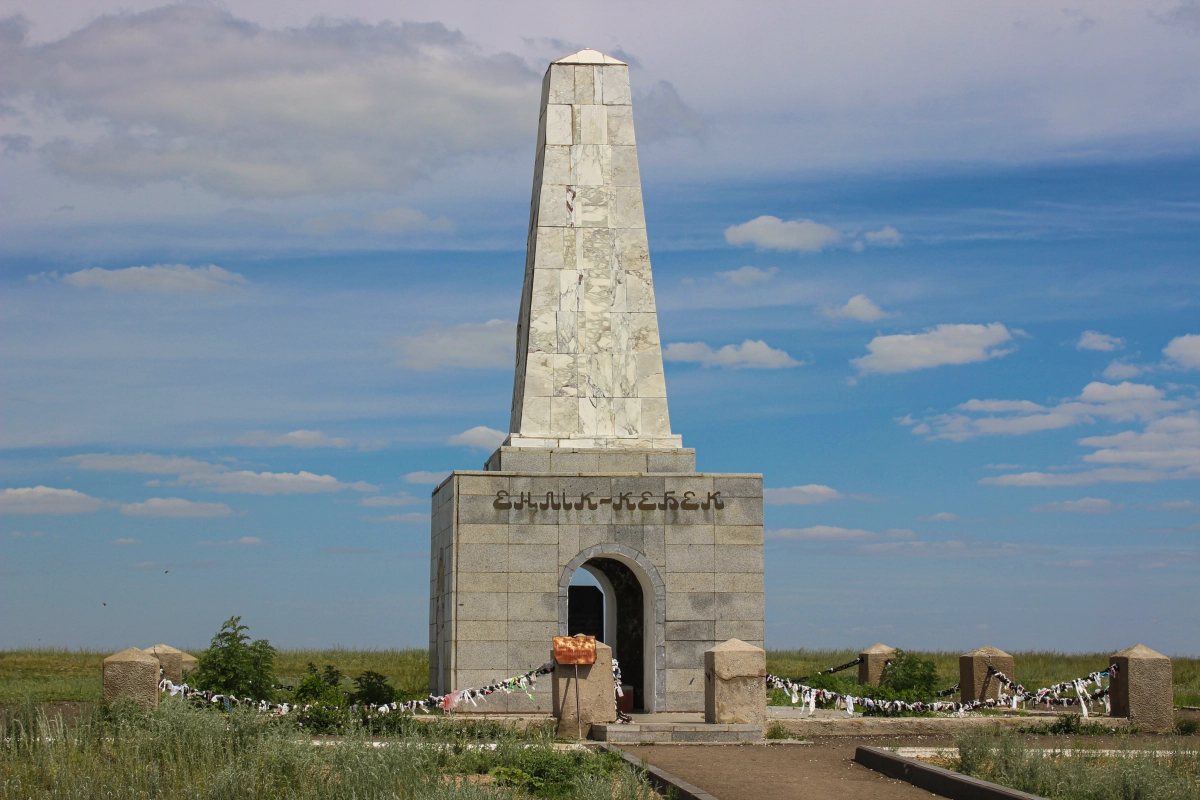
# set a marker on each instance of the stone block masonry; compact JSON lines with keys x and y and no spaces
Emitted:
{"x":506,"y":550}
{"x":872,"y":663}
{"x":131,"y":674}
{"x":596,"y":688}
{"x":735,"y":684}
{"x":590,"y":476}
{"x":1141,"y":688}
{"x":975,"y":683}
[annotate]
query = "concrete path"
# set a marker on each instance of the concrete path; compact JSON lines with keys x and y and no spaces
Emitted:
{"x":824,"y":770}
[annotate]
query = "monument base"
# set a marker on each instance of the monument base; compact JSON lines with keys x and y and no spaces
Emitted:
{"x":679,"y":555}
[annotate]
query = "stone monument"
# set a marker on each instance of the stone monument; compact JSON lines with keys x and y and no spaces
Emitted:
{"x":735,"y":684}
{"x":872,"y":662}
{"x":596,"y":693}
{"x":1141,"y":688}
{"x":974,"y":680}
{"x":131,"y":674}
{"x":591,"y":476}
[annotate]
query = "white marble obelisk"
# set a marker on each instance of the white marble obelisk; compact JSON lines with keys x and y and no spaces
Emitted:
{"x":589,"y":362}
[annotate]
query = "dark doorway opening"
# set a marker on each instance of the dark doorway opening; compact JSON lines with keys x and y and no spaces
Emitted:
{"x":629,"y":630}
{"x":585,"y":611}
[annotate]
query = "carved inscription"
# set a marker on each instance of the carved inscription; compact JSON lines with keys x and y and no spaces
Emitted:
{"x":623,"y":501}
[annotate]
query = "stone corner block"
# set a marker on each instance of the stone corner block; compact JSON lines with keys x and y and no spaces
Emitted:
{"x":974,"y":681}
{"x":874,"y":660}
{"x":1141,"y":688}
{"x":597,"y":694}
{"x":171,"y":660}
{"x":735,"y":684}
{"x":131,"y":674}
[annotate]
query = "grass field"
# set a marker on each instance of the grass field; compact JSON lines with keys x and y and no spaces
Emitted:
{"x":184,"y":751}
{"x":74,"y":675}
{"x":1088,"y":774}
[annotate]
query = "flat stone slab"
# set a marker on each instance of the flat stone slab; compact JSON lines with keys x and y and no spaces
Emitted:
{"x":667,"y":732}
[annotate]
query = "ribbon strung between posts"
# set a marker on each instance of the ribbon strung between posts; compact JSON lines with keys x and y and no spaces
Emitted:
{"x":1051,"y":695}
{"x":446,"y":702}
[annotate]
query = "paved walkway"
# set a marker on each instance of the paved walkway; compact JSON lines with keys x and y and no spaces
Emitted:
{"x":823,"y":770}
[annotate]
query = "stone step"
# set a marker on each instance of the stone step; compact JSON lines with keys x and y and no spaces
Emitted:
{"x":676,"y":732}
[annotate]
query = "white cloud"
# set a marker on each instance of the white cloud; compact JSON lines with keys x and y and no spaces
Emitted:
{"x":301,"y":439}
{"x":749,"y":354}
{"x":174,"y":507}
{"x":480,"y":437}
{"x":748,"y":276}
{"x":1117,"y":402}
{"x":1170,"y":443}
{"x":45,"y":500}
{"x":425,"y":478}
{"x":143,"y":462}
{"x":487,"y":345}
{"x":271,"y":483}
{"x":950,"y":549}
{"x":411,"y":517}
{"x":821,"y":533}
{"x":217,"y":476}
{"x":157,"y":278}
{"x":1184,"y":351}
{"x":887,"y":236}
{"x":1086,"y":505}
{"x":245,"y":541}
{"x":384,"y":501}
{"x":1089,"y":478}
{"x":945,"y":344}
{"x":1121,"y":370}
{"x":772,"y":233}
{"x":125,"y":541}
{"x":242,"y":110}
{"x":859,"y":308}
{"x":811,"y":494}
{"x":1094,"y":340}
{"x":941,"y":516}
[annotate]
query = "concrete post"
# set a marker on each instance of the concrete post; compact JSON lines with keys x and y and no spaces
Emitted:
{"x":171,"y":661}
{"x":597,"y":694}
{"x":973,"y":679}
{"x":131,"y":674}
{"x":874,"y":659}
{"x":1141,"y":688}
{"x":735,"y":684}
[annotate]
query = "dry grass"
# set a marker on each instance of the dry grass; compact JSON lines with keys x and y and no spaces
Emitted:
{"x":1088,"y":774}
{"x":184,"y":751}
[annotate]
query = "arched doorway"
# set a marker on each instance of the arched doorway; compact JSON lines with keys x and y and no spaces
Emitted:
{"x":633,"y":618}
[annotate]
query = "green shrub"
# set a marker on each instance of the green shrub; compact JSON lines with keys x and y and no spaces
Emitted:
{"x":909,"y":675}
{"x":320,"y":689}
{"x":234,"y":665}
{"x":776,"y":731}
{"x":373,"y":689}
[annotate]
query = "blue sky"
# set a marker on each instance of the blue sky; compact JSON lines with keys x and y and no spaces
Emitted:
{"x":931,"y":271}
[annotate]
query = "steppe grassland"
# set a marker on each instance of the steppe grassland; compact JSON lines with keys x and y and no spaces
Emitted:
{"x":183,"y":751}
{"x":53,"y":675}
